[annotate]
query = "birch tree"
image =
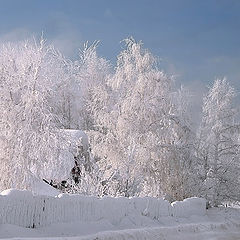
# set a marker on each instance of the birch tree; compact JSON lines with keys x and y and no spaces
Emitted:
{"x":28,"y":126}
{"x":144,"y":130}
{"x":218,"y":150}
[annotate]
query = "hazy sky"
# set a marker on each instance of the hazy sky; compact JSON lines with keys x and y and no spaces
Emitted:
{"x":197,"y":40}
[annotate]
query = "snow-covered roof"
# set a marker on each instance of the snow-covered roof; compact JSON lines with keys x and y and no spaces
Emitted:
{"x":77,"y":135}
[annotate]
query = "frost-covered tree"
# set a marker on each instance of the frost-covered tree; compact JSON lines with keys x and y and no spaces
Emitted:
{"x":29,"y":73}
{"x":218,"y":149}
{"x":66,"y":92}
{"x":141,"y":133}
{"x":76,"y":89}
{"x":90,"y":72}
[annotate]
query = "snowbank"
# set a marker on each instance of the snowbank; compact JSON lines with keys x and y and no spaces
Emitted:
{"x":23,"y":209}
{"x":41,"y":188}
{"x":189,"y":207}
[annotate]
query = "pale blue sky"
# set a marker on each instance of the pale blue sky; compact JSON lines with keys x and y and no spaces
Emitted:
{"x":196,"y":40}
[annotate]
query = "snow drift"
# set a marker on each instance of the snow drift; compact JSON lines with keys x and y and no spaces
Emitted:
{"x":20,"y":207}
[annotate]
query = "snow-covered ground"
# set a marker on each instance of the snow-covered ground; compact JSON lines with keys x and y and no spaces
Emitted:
{"x":113,"y":218}
{"x":221,"y":224}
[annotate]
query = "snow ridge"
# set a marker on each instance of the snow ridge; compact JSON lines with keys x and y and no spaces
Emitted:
{"x":22,"y":208}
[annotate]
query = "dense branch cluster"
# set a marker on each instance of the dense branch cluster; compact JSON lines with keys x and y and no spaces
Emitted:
{"x":138,"y":124}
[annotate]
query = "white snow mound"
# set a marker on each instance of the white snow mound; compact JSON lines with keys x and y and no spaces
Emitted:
{"x":16,"y":193}
{"x":22,"y":208}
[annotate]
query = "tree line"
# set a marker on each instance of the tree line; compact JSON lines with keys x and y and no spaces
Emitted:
{"x":138,"y":122}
